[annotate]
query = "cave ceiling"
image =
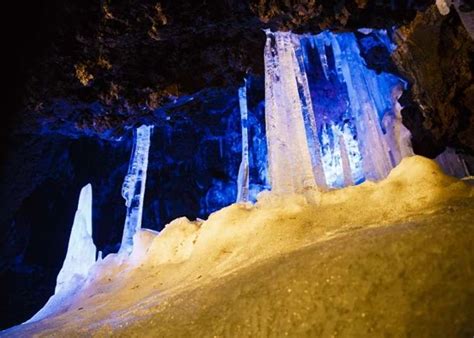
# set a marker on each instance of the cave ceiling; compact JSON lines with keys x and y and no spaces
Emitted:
{"x":114,"y":64}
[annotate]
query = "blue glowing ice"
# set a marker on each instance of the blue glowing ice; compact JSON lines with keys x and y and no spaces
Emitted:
{"x":79,"y":259}
{"x":331,"y":121}
{"x":133,"y":189}
{"x":243,"y":178}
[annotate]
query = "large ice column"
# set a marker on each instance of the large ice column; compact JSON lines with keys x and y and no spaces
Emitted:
{"x":244,"y":173}
{"x":290,"y":162}
{"x":133,"y":189}
{"x":80,"y":257}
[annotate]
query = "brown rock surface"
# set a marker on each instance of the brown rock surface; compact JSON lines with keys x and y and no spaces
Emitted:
{"x":436,"y":54}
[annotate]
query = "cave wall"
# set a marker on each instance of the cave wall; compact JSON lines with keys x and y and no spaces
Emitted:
{"x":436,"y":55}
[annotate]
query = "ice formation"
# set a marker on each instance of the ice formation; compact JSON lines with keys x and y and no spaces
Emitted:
{"x":80,"y":256}
{"x":244,"y":173}
{"x":133,"y":189}
{"x":289,"y":155}
{"x":326,"y":141}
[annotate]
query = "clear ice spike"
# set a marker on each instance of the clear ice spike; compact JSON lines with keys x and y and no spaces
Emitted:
{"x":133,"y":188}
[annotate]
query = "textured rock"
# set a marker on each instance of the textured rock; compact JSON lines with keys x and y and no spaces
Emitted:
{"x":436,"y":55}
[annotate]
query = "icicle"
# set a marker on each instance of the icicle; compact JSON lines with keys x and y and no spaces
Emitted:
{"x":133,"y":189}
{"x":309,"y":116}
{"x":320,"y":45}
{"x":243,"y":177}
{"x":336,"y":50}
{"x":80,"y":257}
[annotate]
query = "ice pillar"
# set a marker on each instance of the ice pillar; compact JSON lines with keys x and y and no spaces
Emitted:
{"x":133,"y":189}
{"x":289,"y":157}
{"x":244,"y":174}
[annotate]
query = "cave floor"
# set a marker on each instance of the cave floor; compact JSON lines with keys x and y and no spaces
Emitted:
{"x":407,"y":274}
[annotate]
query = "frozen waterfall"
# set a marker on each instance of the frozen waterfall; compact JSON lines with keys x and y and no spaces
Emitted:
{"x":80,"y":256}
{"x":133,"y":189}
{"x":330,"y":121}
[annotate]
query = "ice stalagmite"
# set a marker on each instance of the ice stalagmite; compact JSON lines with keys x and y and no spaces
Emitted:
{"x":133,"y":189}
{"x":80,"y":257}
{"x":244,"y":174}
